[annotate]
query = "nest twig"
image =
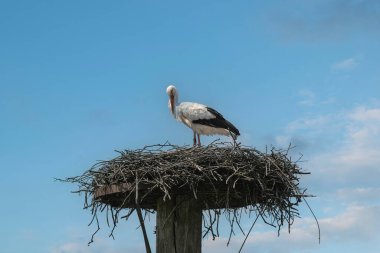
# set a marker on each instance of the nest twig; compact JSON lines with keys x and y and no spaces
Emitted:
{"x":226,"y":179}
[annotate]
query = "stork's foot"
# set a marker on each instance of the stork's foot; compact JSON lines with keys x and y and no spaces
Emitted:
{"x":196,"y":145}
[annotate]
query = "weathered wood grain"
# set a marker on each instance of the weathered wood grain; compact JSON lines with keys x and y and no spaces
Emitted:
{"x":179,"y":225}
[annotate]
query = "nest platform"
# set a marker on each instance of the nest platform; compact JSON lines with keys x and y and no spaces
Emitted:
{"x":197,"y":184}
{"x":218,"y":176}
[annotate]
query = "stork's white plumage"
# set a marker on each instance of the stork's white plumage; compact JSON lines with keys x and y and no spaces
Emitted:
{"x":200,"y":118}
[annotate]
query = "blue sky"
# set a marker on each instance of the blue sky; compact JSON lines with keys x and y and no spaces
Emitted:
{"x":80,"y":79}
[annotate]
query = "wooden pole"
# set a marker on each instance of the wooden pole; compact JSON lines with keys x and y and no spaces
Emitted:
{"x":179,"y":226}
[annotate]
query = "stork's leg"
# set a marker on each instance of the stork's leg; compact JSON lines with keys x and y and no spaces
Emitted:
{"x":234,"y":139}
{"x":199,"y":140}
{"x":194,"y":140}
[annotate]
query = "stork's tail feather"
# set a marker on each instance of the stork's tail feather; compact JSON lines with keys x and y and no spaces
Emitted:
{"x":232,"y":129}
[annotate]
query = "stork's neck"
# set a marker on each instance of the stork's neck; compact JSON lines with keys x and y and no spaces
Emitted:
{"x":175,"y":99}
{"x":173,"y":102}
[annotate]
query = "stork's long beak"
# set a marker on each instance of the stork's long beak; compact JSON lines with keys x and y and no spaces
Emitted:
{"x":172,"y":103}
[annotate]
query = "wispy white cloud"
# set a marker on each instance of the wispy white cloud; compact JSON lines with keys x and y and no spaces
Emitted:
{"x":99,"y":246}
{"x":330,"y":100}
{"x":310,"y":98}
{"x":355,"y":223}
{"x":28,"y":234}
{"x":308,"y":123}
{"x":345,"y":145}
{"x":307,"y":97}
{"x":305,"y":132}
{"x":282,"y":140}
{"x":72,"y":247}
{"x":365,"y":114}
{"x":358,"y":194}
{"x":346,"y":64}
{"x":358,"y":223}
{"x":357,"y":158}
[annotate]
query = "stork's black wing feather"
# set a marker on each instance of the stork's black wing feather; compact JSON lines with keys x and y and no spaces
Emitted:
{"x":219,"y":122}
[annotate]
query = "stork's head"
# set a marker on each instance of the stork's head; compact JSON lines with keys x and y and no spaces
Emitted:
{"x":173,"y":97}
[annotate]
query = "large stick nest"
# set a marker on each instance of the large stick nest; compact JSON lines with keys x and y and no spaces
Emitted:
{"x":222,"y":177}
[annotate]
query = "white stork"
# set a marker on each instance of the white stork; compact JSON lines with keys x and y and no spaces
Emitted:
{"x":200,"y":118}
